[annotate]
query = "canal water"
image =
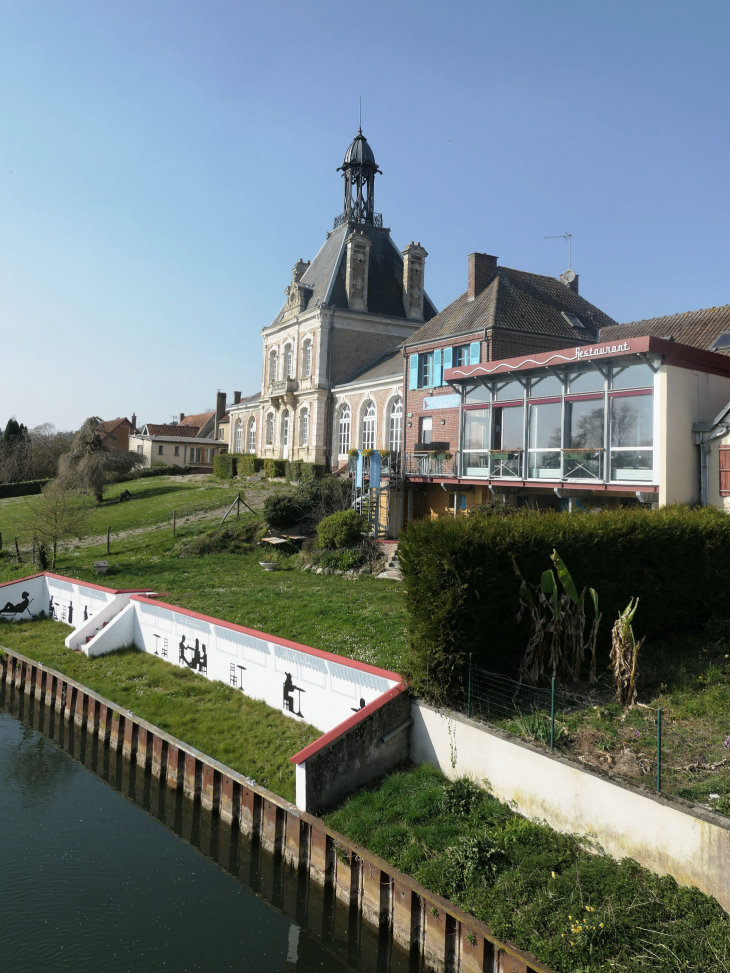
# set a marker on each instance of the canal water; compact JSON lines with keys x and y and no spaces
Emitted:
{"x":101,"y":868}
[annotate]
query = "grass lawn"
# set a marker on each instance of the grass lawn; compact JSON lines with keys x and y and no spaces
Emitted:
{"x":242,"y":733}
{"x":541,"y":890}
{"x":153,"y":500}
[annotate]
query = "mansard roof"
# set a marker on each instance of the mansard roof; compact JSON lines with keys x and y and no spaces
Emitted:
{"x":701,"y":329}
{"x":326,"y":275}
{"x":518,"y":301}
{"x":389,"y":365}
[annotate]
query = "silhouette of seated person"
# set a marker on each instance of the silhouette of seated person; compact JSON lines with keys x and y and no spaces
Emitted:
{"x":289,"y":688}
{"x":356,"y":709}
{"x":11,"y":609}
{"x":183,"y":649}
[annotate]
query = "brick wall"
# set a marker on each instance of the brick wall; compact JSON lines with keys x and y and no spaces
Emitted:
{"x":383,"y":399}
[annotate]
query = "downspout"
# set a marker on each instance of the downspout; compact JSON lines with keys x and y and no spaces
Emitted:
{"x":329,"y":417}
{"x":705,"y":434}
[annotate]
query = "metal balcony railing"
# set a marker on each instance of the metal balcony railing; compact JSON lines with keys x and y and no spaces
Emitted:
{"x":431,"y":464}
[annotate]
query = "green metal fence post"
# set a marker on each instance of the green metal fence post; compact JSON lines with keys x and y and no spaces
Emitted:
{"x":552,"y":714}
{"x":658,"y":751}
{"x":468,"y":698}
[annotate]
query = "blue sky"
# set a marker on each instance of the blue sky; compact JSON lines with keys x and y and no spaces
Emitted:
{"x":164,"y":163}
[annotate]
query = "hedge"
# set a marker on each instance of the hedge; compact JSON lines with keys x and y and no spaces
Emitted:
{"x":224,"y":466}
{"x":248,"y":464}
{"x":160,"y":470}
{"x":462,"y":591}
{"x":302,"y":472}
{"x":274,"y":467}
{"x":25,"y":488}
{"x":293,"y":469}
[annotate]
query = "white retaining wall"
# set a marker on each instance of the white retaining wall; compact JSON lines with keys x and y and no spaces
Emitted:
{"x":657,"y":833}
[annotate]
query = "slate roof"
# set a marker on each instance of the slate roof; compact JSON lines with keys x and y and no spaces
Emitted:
{"x":697,"y":328}
{"x":389,"y":365}
{"x":517,"y":301}
{"x":326,"y":275}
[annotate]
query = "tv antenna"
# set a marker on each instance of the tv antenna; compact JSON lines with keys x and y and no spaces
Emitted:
{"x":564,"y":236}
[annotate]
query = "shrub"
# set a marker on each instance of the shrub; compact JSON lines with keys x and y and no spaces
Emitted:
{"x":342,"y":529}
{"x":234,"y":538}
{"x":310,"y":472}
{"x":463,"y":595}
{"x":293,"y":469}
{"x":224,"y":466}
{"x":274,"y":467}
{"x":248,"y":464}
{"x":25,"y":488}
{"x":283,"y":510}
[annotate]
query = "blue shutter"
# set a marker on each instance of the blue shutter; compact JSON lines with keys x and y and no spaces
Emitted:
{"x":413,"y":373}
{"x":436,"y":367}
{"x":448,"y":362}
{"x":475,"y":349}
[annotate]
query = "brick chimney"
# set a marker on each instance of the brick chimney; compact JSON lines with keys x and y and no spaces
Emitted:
{"x":481,"y":267}
{"x":182,"y":416}
{"x":220,"y":407}
{"x":236,"y":398}
{"x":134,"y":421}
{"x":357,"y":264}
{"x":414,"y":263}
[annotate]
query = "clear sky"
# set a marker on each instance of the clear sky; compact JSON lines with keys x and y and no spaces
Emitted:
{"x":164,"y":163}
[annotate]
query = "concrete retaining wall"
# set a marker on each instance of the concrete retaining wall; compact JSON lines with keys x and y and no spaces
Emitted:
{"x":691,"y":844}
{"x":438,"y":932}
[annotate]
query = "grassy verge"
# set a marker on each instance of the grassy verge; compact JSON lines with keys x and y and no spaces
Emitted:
{"x":362,"y":619}
{"x":241,"y":732}
{"x":541,"y":890}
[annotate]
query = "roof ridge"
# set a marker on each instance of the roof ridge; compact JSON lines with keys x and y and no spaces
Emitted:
{"x":677,"y":314}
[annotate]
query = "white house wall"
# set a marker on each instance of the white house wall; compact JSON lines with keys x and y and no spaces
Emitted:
{"x":64,"y":599}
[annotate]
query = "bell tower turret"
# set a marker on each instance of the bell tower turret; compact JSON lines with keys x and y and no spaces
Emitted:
{"x":359,"y":170}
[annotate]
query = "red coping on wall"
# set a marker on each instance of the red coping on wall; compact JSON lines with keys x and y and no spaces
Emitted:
{"x":84,"y":584}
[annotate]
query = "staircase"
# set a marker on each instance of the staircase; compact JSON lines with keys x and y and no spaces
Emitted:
{"x":391,"y":571}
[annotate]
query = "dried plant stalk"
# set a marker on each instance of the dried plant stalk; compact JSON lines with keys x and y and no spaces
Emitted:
{"x":625,"y":655}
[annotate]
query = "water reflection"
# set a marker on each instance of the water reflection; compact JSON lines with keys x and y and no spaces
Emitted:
{"x":93,"y":881}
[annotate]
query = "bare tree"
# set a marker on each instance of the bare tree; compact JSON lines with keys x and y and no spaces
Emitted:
{"x":48,"y":445}
{"x":91,"y":463}
{"x":58,"y":514}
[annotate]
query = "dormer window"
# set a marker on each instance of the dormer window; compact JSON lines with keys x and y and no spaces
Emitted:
{"x":577,"y":325}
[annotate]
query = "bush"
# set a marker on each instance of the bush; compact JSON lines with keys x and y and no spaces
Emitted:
{"x":248,"y":464}
{"x":342,"y":529}
{"x":225,"y":466}
{"x":161,"y":470}
{"x":294,"y":469}
{"x":25,"y":488}
{"x":463,"y":594}
{"x":283,"y":510}
{"x":274,"y":467}
{"x":366,"y":554}
{"x":234,"y":538}
{"x":310,"y":472}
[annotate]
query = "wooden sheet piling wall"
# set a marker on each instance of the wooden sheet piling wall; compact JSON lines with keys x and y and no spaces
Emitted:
{"x":445,"y":937}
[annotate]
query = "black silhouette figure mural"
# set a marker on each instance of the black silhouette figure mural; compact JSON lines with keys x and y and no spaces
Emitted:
{"x":70,"y":612}
{"x":356,"y":709}
{"x":22,"y":606}
{"x":52,"y":608}
{"x":199,"y":660}
{"x":289,"y":689}
{"x":86,"y":613}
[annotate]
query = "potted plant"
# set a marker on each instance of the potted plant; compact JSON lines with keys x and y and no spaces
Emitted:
{"x":368,"y":452}
{"x":271,"y":561}
{"x":352,"y":453}
{"x":384,"y":453}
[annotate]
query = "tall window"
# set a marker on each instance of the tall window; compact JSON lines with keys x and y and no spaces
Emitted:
{"x":304,"y":427}
{"x":426,"y":430}
{"x":288,"y":362}
{"x":461,"y":356}
{"x":343,"y":430}
{"x":273,"y":361}
{"x":368,"y":426}
{"x":544,"y":440}
{"x":252,"y":435}
{"x":307,"y":358}
{"x":285,"y":420}
{"x":632,"y":436}
{"x":270,"y":429}
{"x":238,"y":437}
{"x":395,"y":424}
{"x":425,"y":379}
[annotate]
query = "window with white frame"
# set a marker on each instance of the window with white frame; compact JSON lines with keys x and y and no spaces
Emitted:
{"x":238,"y":437}
{"x":425,"y":367}
{"x":273,"y":362}
{"x":304,"y":427}
{"x":368,"y":426}
{"x":307,"y":358}
{"x":343,"y":430}
{"x":288,"y":362}
{"x":270,"y":429}
{"x":395,"y":425}
{"x":196,"y":454}
{"x":252,"y":435}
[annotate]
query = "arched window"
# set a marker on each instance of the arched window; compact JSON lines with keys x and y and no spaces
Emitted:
{"x":368,"y":426}
{"x":270,"y":429}
{"x":395,"y":424}
{"x":307,"y":358}
{"x":252,"y":435}
{"x":238,"y":437}
{"x":343,"y":430}
{"x":273,"y":361}
{"x":288,"y":362}
{"x":285,"y":424}
{"x":304,"y":427}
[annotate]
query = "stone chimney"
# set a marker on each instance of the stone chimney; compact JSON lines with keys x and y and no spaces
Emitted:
{"x":414,"y":265}
{"x":356,"y":270}
{"x":236,"y":398}
{"x":570,"y":279}
{"x":481,"y":267}
{"x":220,"y":407}
{"x":134,"y":422}
{"x":182,"y":416}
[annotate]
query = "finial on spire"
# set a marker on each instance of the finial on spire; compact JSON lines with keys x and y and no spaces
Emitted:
{"x":359,"y":126}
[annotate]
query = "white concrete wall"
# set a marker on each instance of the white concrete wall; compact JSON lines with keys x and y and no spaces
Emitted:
{"x":64,"y":599}
{"x":657,"y":833}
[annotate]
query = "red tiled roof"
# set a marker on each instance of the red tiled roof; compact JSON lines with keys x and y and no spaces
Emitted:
{"x":198,"y":420}
{"x":109,"y":425}
{"x":188,"y":432}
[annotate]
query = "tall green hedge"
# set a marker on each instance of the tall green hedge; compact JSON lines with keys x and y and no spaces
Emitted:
{"x":25,"y":488}
{"x":274,"y":467}
{"x":462,"y":592}
{"x":248,"y":464}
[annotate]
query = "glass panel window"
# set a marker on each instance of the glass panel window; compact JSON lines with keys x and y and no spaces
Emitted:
{"x":426,"y":430}
{"x":252,"y":436}
{"x":509,"y":390}
{"x":545,"y":440}
{"x":425,"y":362}
{"x":307,"y":359}
{"x":272,"y":366}
{"x":632,"y":426}
{"x":288,"y":362}
{"x":587,"y":380}
{"x":632,"y":377}
{"x":632,"y":464}
{"x":461,"y":356}
{"x":395,"y":425}
{"x":285,"y":429}
{"x":304,"y":427}
{"x":545,"y":385}
{"x":270,"y":429}
{"x":584,"y":423}
{"x":476,"y":428}
{"x":238,"y":438}
{"x":343,"y":431}
{"x":481,"y":393}
{"x":368,"y":427}
{"x":508,"y":428}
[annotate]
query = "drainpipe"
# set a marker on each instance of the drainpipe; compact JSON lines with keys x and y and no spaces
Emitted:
{"x":705,"y":433}
{"x":329,"y":410}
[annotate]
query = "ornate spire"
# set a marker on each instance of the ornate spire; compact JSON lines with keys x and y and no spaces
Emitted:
{"x":358,"y":170}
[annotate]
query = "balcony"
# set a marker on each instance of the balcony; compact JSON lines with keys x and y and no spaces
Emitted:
{"x":431,"y":464}
{"x":495,"y":464}
{"x":281,"y":388}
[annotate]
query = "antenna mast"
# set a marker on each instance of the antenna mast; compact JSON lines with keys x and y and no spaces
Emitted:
{"x":565,"y":236}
